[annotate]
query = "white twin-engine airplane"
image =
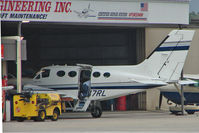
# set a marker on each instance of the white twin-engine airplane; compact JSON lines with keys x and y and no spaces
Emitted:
{"x":85,"y":83}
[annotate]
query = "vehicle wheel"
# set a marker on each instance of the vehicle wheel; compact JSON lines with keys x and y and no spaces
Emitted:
{"x":41,"y":115}
{"x":20,"y":119}
{"x":190,"y":112}
{"x":174,"y":112}
{"x":55,"y":115}
{"x":96,"y":112}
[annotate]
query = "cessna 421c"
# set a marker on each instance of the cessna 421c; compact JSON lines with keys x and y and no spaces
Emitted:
{"x":86,"y":84}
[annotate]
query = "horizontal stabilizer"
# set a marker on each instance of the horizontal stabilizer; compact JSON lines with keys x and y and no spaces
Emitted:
{"x":150,"y":81}
{"x":191,"y":76}
{"x":186,"y":82}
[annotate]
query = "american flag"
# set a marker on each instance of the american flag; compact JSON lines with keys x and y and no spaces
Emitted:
{"x":144,"y":6}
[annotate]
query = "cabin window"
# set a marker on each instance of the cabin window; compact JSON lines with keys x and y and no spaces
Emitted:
{"x":96,"y":74}
{"x":72,"y":73}
{"x":60,"y":73}
{"x":45,"y":73}
{"x":107,"y":74}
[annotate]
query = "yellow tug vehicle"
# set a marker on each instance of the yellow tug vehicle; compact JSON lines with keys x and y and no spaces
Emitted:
{"x":37,"y":107}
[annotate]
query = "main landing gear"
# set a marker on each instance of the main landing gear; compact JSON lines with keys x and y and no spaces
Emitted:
{"x":96,"y":109}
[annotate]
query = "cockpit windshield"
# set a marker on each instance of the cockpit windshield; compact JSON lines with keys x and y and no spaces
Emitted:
{"x":44,"y":73}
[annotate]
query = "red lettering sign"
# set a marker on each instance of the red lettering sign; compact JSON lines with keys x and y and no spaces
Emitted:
{"x":25,"y":6}
{"x":63,"y":7}
{"x":136,"y":14}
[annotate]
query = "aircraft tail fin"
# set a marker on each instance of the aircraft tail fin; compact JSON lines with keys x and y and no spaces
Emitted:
{"x":167,"y":60}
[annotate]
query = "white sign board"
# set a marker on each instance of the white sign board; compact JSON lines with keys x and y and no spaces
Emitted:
{"x":75,"y":11}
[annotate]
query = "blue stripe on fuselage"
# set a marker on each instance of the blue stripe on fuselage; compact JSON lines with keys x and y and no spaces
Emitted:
{"x":176,"y":48}
{"x":109,"y":87}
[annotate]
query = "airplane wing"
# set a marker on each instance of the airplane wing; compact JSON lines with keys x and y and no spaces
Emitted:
{"x":39,"y":89}
{"x":36,"y":88}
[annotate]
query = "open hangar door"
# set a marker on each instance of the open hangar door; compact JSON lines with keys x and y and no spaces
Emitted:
{"x":59,"y":44}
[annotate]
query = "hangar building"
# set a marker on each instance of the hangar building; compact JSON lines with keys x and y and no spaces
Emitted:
{"x":93,"y":32}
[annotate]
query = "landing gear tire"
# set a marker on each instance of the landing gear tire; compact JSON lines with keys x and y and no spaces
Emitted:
{"x":96,"y":112}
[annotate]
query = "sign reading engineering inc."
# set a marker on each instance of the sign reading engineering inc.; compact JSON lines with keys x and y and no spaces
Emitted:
{"x":73,"y":11}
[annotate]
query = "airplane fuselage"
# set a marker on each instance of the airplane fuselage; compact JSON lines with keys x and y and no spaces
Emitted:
{"x":105,"y":83}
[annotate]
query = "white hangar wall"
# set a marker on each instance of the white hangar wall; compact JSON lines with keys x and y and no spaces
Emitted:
{"x":114,"y":12}
{"x":153,"y":37}
{"x":174,"y":12}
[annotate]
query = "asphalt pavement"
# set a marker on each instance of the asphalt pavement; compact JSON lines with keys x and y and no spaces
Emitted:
{"x":125,"y":121}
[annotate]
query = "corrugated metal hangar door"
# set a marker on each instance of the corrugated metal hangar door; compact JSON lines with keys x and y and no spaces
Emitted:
{"x":84,"y":44}
{"x":97,"y":47}
{"x":49,"y":44}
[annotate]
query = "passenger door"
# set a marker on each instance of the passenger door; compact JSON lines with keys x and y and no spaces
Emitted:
{"x":84,"y":90}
